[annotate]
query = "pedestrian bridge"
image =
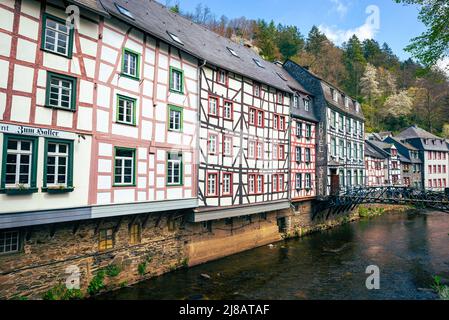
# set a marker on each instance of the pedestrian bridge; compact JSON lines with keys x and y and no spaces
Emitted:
{"x":349,"y":198}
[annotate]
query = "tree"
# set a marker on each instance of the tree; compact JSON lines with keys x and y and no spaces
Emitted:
{"x":399,"y":104}
{"x":369,"y":84}
{"x":387,"y":82}
{"x":446,"y":130}
{"x":315,"y":41}
{"x":289,"y":41}
{"x":432,"y":45}
{"x":355,"y":64}
{"x":266,"y":40}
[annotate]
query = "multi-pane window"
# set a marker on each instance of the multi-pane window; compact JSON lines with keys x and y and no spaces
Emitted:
{"x":333,"y":119}
{"x":281,"y":123}
{"x":308,"y":131}
{"x":19,"y":162}
{"x":130,"y":66}
{"x":251,"y":149}
{"x":106,"y":239}
{"x":308,"y":183}
{"x":58,"y":164}
{"x":298,"y":181}
{"x":227,"y":146}
{"x":298,"y":154}
{"x":259,"y":150}
{"x":57,"y":36}
{"x":306,"y":104}
{"x":280,"y":98}
{"x":174,"y":169}
{"x":251,"y":183}
{"x":175,"y":118}
{"x":356,"y":152}
{"x":275,"y":183}
{"x":260,"y":118}
{"x":61,"y":91}
{"x":342,"y":149}
{"x":308,"y":155}
{"x":281,"y":182}
{"x":361,"y":152}
{"x":298,"y":129}
{"x":341,"y":123}
{"x":126,"y":110}
{"x":227,"y":183}
{"x":135,"y":233}
{"x":222,"y":77}
{"x":212,"y":144}
{"x":260,"y":184}
{"x":124,"y":167}
{"x":275,"y":121}
{"x":213,"y":106}
{"x":176,"y":80}
{"x":227,"y":110}
{"x":257,"y":90}
{"x":252,"y":116}
{"x":9,"y":241}
{"x":295,"y":101}
{"x":212,"y":182}
{"x":334,"y":147}
{"x":281,"y":153}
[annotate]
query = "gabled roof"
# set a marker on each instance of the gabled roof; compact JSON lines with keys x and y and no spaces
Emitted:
{"x":157,"y":20}
{"x":291,"y":82}
{"x":381,"y":145}
{"x":327,"y":93}
{"x":416,"y":132}
{"x":403,"y":143}
{"x":373,"y":152}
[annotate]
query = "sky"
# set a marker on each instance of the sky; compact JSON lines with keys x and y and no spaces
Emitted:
{"x":382,"y":20}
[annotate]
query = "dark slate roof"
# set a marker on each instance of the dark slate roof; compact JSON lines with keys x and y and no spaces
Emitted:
{"x":416,"y":132}
{"x":372,"y":152}
{"x":155,"y":19}
{"x":381,"y":145}
{"x":328,"y":96}
{"x":93,"y":5}
{"x":291,"y":82}
{"x":403,"y":143}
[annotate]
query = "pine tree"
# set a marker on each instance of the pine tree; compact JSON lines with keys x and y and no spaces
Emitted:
{"x":355,"y":64}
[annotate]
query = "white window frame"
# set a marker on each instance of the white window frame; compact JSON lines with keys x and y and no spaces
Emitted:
{"x":59,"y":35}
{"x":122,"y":165}
{"x":130,"y":63}
{"x":9,"y":241}
{"x":227,"y":110}
{"x":213,"y":106}
{"x":19,"y":153}
{"x":127,"y":106}
{"x":212,"y":143}
{"x":60,"y":88}
{"x":227,"y":146}
{"x":212,"y":182}
{"x":58,"y":156}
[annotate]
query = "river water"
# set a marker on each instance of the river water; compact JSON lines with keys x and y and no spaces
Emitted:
{"x":409,"y":250}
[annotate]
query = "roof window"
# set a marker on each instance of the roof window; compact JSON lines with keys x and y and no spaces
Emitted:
{"x":175,"y":38}
{"x":281,"y":76}
{"x":124,"y":11}
{"x":259,"y":64}
{"x":232,"y":51}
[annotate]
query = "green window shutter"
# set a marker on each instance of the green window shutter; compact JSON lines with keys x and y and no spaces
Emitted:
{"x":181,"y":72}
{"x":134,"y":106}
{"x":181,"y":111}
{"x":70,"y":161}
{"x":138,"y":57}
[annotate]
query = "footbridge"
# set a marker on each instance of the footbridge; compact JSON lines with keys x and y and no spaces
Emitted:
{"x":349,"y":198}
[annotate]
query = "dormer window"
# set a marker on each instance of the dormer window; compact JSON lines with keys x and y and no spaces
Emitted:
{"x":175,"y":38}
{"x":124,"y":11}
{"x":306,"y":104}
{"x":357,"y":107}
{"x":222,"y":77}
{"x":232,"y":51}
{"x":295,"y":101}
{"x":257,"y":90}
{"x":281,"y":76}
{"x":346,"y":102}
{"x":334,"y":95}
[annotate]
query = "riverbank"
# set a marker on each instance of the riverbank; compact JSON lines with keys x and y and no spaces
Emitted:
{"x":409,"y":250}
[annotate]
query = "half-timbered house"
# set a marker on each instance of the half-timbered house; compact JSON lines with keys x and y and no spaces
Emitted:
{"x":376,"y":166}
{"x":302,"y":141}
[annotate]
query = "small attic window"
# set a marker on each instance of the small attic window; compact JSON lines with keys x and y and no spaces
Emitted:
{"x":124,"y":11}
{"x":281,"y":76}
{"x":233,"y":52}
{"x":259,"y":64}
{"x":175,"y":38}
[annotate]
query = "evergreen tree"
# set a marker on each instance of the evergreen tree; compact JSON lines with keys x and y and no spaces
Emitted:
{"x":355,"y":64}
{"x":289,"y":41}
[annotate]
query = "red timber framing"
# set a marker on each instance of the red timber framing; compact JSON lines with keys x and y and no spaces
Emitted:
{"x":376,"y":171}
{"x":96,"y":65}
{"x":303,"y":159}
{"x":253,"y":162}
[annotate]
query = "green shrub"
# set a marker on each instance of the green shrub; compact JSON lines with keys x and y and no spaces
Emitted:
{"x":112,"y":270}
{"x":442,"y":290}
{"x":142,"y":268}
{"x":97,"y":283}
{"x":60,"y":292}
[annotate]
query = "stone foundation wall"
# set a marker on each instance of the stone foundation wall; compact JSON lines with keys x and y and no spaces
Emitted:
{"x":167,"y":243}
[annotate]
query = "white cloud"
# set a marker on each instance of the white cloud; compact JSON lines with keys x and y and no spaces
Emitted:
{"x":340,"y":7}
{"x":366,"y":31}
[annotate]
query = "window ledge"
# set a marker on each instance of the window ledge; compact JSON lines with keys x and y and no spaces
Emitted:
{"x":129,"y":76}
{"x":126,"y":124}
{"x":58,"y":190}
{"x":176,"y":91}
{"x":60,"y":108}
{"x":18,"y":191}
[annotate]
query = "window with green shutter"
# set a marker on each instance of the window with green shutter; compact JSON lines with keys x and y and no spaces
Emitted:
{"x":60,"y":92}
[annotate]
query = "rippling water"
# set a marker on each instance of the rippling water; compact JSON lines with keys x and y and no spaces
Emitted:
{"x":408,"y":248}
